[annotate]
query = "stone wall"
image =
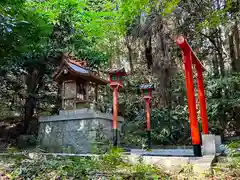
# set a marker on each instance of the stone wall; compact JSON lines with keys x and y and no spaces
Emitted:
{"x":75,"y":131}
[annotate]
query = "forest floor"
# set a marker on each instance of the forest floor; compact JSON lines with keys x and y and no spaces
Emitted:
{"x":34,"y":166}
{"x":110,"y":166}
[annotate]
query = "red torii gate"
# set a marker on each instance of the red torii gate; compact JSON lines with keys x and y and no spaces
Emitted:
{"x":190,"y":59}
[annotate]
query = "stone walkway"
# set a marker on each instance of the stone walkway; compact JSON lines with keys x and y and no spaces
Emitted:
{"x":164,"y":152}
{"x":174,"y":159}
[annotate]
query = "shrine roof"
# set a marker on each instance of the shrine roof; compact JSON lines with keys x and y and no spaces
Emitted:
{"x":78,"y":69}
{"x":117,"y":70}
{"x":146,"y":86}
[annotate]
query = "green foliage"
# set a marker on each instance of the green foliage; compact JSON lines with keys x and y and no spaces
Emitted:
{"x":168,"y":127}
{"x":223,"y":101}
{"x":234,"y":149}
{"x":74,"y":13}
{"x":109,"y":165}
{"x":228,"y":167}
{"x":112,"y":159}
{"x":34,"y":34}
{"x":32,"y":24}
{"x":169,"y":6}
{"x":216,"y":17}
{"x":23,"y":30}
{"x":234,"y":144}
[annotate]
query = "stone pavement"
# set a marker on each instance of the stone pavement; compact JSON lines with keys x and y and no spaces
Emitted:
{"x":173,"y":159}
{"x":164,"y":152}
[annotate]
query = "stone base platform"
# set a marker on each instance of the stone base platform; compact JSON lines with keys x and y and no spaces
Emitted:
{"x":75,"y":131}
{"x":173,"y":160}
{"x":199,"y":165}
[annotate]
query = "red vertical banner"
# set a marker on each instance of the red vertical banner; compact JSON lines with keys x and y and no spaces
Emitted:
{"x":202,"y":100}
{"x":148,"y":114}
{"x":187,"y":57}
{"x":115,"y":107}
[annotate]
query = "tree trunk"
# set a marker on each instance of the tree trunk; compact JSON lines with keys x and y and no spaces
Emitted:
{"x":96,"y":93}
{"x":58,"y":106}
{"x":232,"y":52}
{"x":33,"y":82}
{"x":130,"y":53}
{"x":215,"y":65}
{"x":161,"y":62}
{"x":148,"y":51}
{"x":219,"y":44}
{"x":237,"y":69}
{"x":28,"y":113}
{"x":221,"y":64}
{"x":237,"y":42}
{"x":220,"y":52}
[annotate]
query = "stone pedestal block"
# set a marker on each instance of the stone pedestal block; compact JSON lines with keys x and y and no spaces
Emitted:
{"x":76,"y":131}
{"x":218,"y":142}
{"x":208,"y":144}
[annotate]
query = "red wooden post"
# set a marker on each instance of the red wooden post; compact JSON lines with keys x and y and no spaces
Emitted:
{"x":147,"y":96}
{"x":201,"y":95}
{"x":187,"y":58}
{"x":202,"y":101}
{"x":115,"y":107}
{"x":116,"y":83}
{"x":147,"y":101}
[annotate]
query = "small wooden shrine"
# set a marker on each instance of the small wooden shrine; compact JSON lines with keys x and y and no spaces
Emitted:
{"x":77,"y":83}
